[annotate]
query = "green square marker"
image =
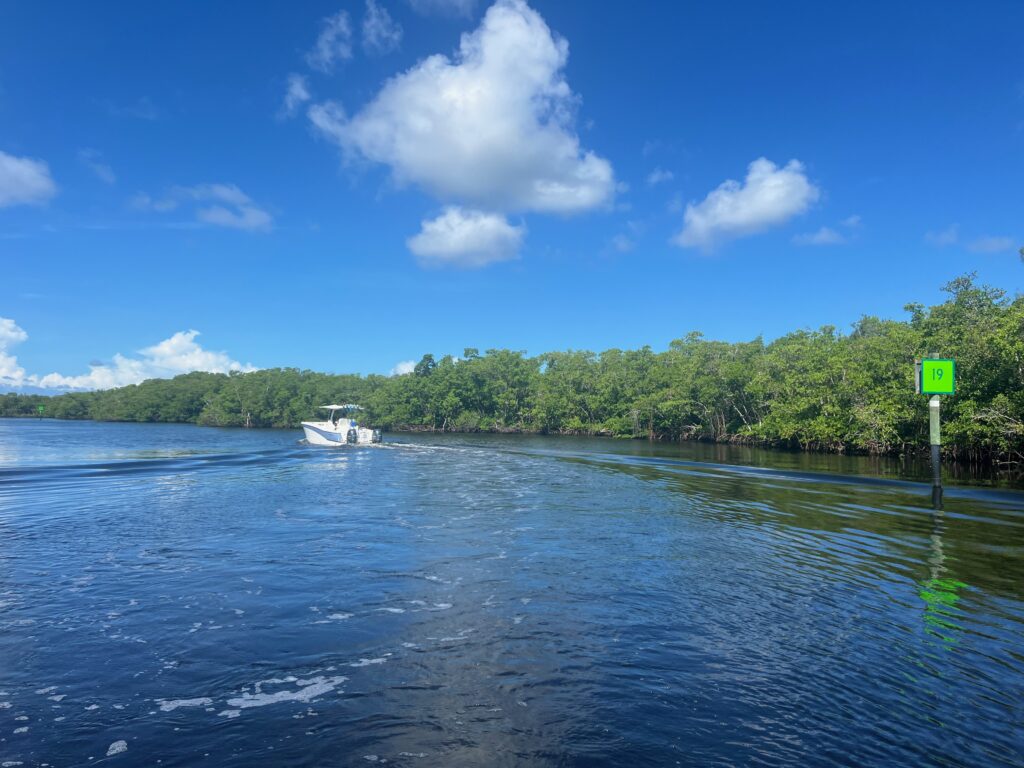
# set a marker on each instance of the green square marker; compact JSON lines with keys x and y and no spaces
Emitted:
{"x":938,"y":377}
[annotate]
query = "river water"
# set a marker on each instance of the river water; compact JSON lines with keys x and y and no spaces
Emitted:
{"x":173,"y":595}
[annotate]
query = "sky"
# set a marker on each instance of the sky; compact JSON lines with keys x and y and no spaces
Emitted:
{"x":345,"y":186}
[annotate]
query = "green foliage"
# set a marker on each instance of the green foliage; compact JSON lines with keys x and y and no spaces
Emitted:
{"x":811,"y":389}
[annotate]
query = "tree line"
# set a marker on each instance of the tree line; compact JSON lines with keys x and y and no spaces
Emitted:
{"x":811,"y":389}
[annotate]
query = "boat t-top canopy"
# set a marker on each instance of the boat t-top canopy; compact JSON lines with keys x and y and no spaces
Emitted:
{"x":347,"y":406}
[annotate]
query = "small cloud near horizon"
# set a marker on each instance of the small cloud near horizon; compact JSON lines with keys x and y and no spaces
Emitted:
{"x":404,"y":367}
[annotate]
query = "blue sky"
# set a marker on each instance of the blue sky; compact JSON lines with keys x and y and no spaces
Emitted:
{"x":344,"y":186}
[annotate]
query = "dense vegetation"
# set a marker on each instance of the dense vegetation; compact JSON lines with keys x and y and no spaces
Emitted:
{"x":815,"y":390}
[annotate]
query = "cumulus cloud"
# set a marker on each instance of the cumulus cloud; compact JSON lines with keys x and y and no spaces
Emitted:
{"x":447,"y":7}
{"x":991,"y":245}
{"x":768,"y":197}
{"x":824,"y":236}
{"x":296,"y":95}
{"x":492,"y":127}
{"x":24,"y":181}
{"x":223,"y":205}
{"x":11,"y":374}
{"x":658,"y":176}
{"x":404,"y":367}
{"x":93,"y":160}
{"x":381,"y":33}
{"x":466,"y":238}
{"x":333,"y":44}
{"x":171,"y":357}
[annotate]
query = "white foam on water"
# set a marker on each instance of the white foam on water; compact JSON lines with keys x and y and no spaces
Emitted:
{"x":44,"y":691}
{"x":410,"y":645}
{"x":230,"y":714}
{"x":238,"y":611}
{"x":392,"y":610}
{"x":23,"y":729}
{"x":12,"y":763}
{"x":169,"y":705}
{"x":117,"y":748}
{"x":59,"y":697}
{"x":371,"y":758}
{"x":92,"y":707}
{"x":21,"y":718}
{"x":412,"y":754}
{"x":274,"y":681}
{"x":418,"y":602}
{"x":306,"y":692}
{"x":518,"y":619}
{"x":5,"y":705}
{"x":340,"y":616}
{"x":368,"y":662}
{"x":442,"y":606}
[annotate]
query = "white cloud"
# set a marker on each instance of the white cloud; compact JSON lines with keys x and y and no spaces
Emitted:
{"x":93,"y":160}
{"x":991,"y":245}
{"x":824,"y":236}
{"x":231,"y":208}
{"x":296,"y":95}
{"x":448,"y":7}
{"x":659,"y":175}
{"x":381,"y":33}
{"x":11,"y":374}
{"x":333,"y":44}
{"x":178,"y":354}
{"x":223,"y":205}
{"x":171,"y":357}
{"x":852,"y":222}
{"x":769,"y":196}
{"x":466,"y":238}
{"x":492,"y":127}
{"x":404,"y":367}
{"x":144,"y":202}
{"x":24,"y":181}
{"x":948,"y":236}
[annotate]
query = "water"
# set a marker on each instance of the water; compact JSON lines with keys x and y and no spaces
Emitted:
{"x":173,"y":595}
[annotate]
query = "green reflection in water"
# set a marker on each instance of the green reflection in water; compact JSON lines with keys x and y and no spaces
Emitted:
{"x":940,"y":593}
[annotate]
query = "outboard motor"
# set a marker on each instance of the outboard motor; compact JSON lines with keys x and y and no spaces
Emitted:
{"x":352,"y":436}
{"x":377,"y":437}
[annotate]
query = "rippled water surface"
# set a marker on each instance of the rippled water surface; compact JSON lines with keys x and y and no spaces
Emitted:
{"x":175,"y":595}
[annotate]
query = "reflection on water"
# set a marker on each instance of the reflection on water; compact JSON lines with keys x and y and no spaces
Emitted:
{"x":233,"y":596}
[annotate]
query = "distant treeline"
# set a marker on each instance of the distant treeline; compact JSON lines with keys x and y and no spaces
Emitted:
{"x":814,"y":390}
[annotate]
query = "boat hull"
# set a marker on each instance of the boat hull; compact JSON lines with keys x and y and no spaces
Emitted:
{"x":328,"y":434}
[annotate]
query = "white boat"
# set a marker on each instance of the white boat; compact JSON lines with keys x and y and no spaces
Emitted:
{"x":340,"y":428}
